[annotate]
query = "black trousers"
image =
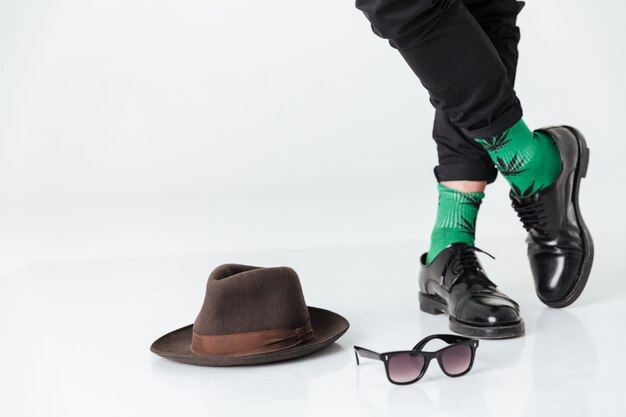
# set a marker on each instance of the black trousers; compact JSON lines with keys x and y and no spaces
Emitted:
{"x":465,"y":53}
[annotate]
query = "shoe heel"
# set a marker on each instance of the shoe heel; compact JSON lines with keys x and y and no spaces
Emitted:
{"x":584,"y":162}
{"x":432,"y":304}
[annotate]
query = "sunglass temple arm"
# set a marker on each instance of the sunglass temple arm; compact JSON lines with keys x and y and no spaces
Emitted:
{"x":366,"y":353}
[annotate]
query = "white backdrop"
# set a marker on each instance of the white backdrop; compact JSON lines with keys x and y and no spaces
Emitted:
{"x":134,"y":128}
{"x":142,"y":143}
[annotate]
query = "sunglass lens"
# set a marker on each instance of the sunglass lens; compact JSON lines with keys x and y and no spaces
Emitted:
{"x":405,"y":367}
{"x":456,"y":359}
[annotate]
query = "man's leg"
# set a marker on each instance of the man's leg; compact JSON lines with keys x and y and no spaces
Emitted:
{"x":560,"y":246}
{"x":544,"y":168}
{"x":460,"y":156}
{"x":467,"y":82}
{"x":469,"y":87}
{"x":464,"y":165}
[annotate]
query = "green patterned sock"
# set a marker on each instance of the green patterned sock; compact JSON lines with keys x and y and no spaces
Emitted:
{"x":456,"y":219}
{"x":530,"y":161}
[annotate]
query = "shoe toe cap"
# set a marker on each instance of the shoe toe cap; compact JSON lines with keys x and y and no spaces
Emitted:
{"x":555,"y":274}
{"x":489,"y":311}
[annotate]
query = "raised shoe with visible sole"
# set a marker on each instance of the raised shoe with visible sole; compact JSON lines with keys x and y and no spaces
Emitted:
{"x":560,"y":247}
{"x":455,"y":283}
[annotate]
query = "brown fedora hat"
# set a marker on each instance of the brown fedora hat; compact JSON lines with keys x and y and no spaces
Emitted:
{"x":251,"y":315}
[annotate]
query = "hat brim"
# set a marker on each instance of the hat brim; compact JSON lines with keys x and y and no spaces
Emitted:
{"x":327,"y":327}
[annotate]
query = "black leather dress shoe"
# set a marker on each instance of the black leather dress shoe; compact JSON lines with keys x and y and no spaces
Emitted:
{"x":560,"y":248}
{"x":455,"y":283}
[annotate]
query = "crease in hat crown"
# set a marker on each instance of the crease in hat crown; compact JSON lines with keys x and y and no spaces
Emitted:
{"x":244,"y":298}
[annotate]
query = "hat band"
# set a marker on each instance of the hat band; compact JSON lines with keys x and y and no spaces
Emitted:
{"x":250,"y":343}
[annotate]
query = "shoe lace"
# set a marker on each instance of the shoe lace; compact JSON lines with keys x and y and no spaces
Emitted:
{"x":532,"y":214}
{"x":464,"y":259}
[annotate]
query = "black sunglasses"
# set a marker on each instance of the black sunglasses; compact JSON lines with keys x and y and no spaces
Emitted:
{"x":408,"y":366}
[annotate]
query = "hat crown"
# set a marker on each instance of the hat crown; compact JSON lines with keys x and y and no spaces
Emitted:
{"x":244,"y":298}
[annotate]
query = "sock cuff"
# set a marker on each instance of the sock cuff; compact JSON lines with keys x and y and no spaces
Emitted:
{"x":519,"y":130}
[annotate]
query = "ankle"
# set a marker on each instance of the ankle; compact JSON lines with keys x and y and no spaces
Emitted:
{"x":465,"y":186}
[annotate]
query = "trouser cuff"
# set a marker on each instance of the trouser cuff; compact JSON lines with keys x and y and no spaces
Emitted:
{"x":465,"y":172}
{"x":499,"y":125}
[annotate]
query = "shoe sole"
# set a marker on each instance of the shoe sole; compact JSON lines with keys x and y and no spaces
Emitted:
{"x":433,"y":304}
{"x":583,"y":275}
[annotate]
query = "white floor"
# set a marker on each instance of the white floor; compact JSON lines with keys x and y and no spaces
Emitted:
{"x":76,"y":337}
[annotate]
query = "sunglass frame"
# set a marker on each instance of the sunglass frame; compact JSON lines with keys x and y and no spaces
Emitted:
{"x":452,"y":340}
